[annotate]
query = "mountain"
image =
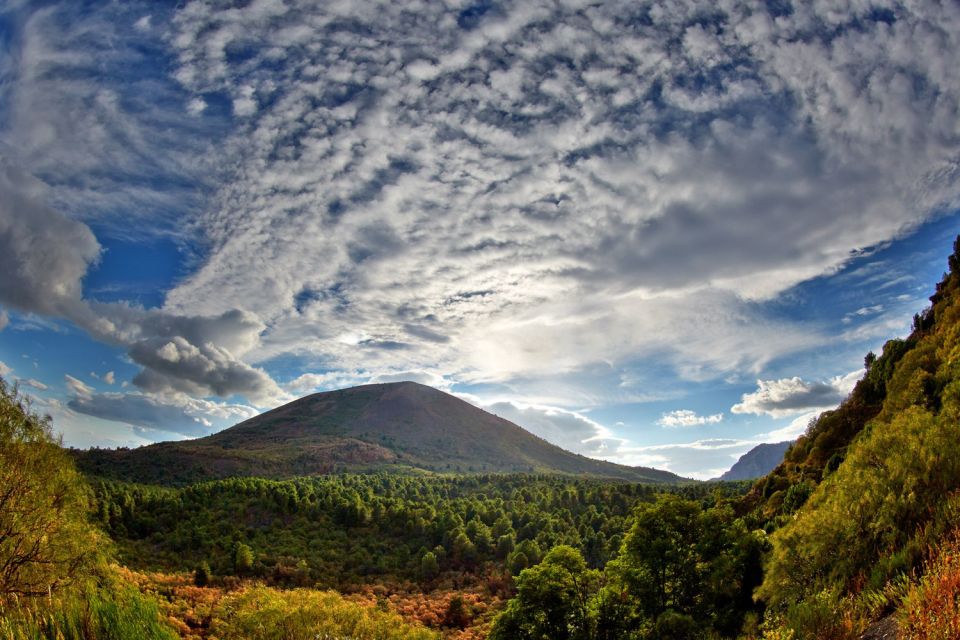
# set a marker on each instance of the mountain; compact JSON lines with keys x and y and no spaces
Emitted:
{"x":401,"y":426}
{"x":757,"y":462}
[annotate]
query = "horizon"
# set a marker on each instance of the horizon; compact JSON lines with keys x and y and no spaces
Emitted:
{"x":657,"y":236}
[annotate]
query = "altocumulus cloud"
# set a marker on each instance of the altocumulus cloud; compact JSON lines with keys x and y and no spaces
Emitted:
{"x":547,"y":174}
{"x":490,"y":196}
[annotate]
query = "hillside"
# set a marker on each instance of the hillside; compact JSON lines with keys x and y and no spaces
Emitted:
{"x":401,"y":426}
{"x":757,"y":462}
{"x":864,"y":507}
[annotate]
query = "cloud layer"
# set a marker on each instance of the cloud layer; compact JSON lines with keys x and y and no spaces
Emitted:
{"x":493,"y":193}
{"x":421,"y":185}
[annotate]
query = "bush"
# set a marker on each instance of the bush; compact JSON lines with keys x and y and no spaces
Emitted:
{"x":259,"y":613}
{"x":931,"y":609}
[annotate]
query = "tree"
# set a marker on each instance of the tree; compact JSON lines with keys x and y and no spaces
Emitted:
{"x":46,"y":541}
{"x":242,"y":559}
{"x":201,"y":577}
{"x":553,"y":600}
{"x":429,"y":567}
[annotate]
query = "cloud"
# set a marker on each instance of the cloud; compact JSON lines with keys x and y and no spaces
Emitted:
{"x":542,"y":192}
{"x":687,"y":418}
{"x":792,"y":431}
{"x":43,"y":254}
{"x":700,"y":459}
{"x":87,"y":109}
{"x":4,"y":319}
{"x":36,"y":384}
{"x":310,"y":382}
{"x":177,"y":414}
{"x":109,"y":377}
{"x":790,"y":396}
{"x":465,"y":196}
{"x":77,"y":387}
{"x":567,"y":429}
{"x":5,"y":369}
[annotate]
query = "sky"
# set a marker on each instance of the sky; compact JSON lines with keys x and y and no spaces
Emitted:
{"x":657,"y":233}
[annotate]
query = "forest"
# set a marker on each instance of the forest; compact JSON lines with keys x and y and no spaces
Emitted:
{"x":855,"y":531}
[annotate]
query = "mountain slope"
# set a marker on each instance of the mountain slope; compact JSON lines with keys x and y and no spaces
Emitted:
{"x":757,"y":462}
{"x":868,"y":497}
{"x":380,"y":427}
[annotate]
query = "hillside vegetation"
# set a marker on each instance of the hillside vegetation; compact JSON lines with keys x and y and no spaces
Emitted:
{"x":882,"y":473}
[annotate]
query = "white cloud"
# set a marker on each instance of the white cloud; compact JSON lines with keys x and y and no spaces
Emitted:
{"x":109,"y":377}
{"x":310,"y":382}
{"x":45,"y":256}
{"x":34,"y":383}
{"x":792,"y":431}
{"x":5,"y":369}
{"x":790,"y":396}
{"x":155,"y":415}
{"x":687,"y":418}
{"x":78,"y":387}
{"x":572,"y":222}
{"x":196,"y":106}
{"x":568,"y":429}
{"x":700,"y":459}
{"x":409,"y":196}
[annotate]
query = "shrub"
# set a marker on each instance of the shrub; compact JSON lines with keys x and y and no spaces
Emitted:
{"x":931,"y":609}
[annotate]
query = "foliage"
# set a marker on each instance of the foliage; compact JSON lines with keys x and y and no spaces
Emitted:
{"x":261,"y":613}
{"x":931,"y":608}
{"x":552,"y":600}
{"x":45,"y":540}
{"x":683,"y":571}
{"x":97,"y":611}
{"x":845,"y":554}
{"x":345,"y":530}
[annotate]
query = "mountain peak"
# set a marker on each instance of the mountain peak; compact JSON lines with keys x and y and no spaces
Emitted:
{"x":401,"y":426}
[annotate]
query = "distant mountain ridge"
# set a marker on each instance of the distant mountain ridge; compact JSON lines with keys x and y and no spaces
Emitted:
{"x":394,"y":427}
{"x":757,"y":462}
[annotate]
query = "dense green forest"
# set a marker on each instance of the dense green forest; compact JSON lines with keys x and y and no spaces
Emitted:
{"x":341,"y":530}
{"x":856,"y":530}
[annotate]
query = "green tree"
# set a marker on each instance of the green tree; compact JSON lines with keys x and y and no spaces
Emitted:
{"x":46,"y":541}
{"x":242,"y":559}
{"x":659,"y":561}
{"x":429,"y":567}
{"x":553,"y":600}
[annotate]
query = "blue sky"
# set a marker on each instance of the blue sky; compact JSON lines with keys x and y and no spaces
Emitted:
{"x":653,"y":232}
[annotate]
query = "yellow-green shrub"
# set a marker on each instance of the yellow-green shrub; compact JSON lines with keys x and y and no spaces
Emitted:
{"x":261,"y":613}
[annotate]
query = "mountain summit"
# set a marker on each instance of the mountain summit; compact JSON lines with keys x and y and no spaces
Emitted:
{"x":402,"y":426}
